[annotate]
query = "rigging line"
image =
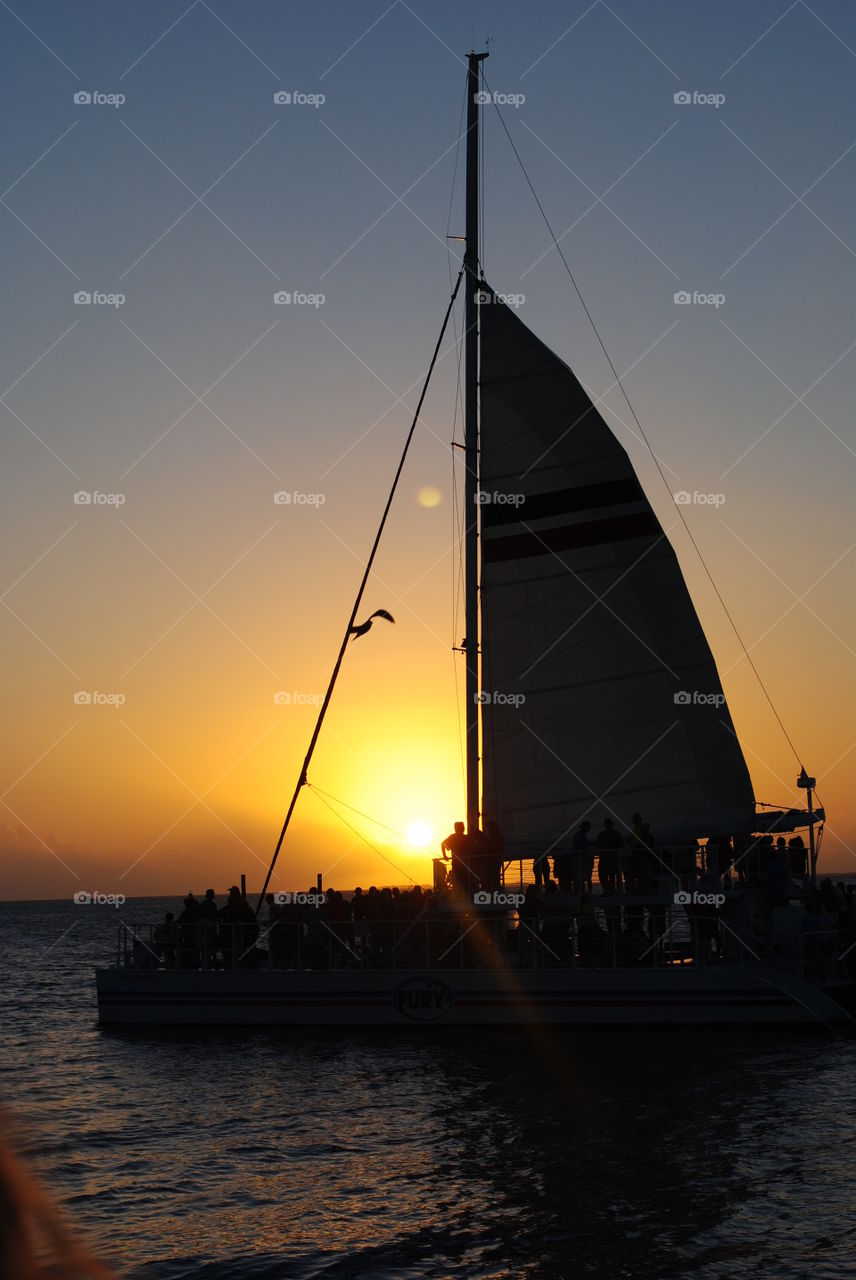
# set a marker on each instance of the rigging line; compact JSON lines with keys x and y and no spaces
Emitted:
{"x":364,"y":582}
{"x":336,"y":800}
{"x":620,"y":383}
{"x":360,"y":836}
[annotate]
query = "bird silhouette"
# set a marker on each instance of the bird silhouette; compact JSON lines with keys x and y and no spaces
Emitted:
{"x":367,"y":625}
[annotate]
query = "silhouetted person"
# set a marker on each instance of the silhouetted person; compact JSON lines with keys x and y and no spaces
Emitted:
{"x":541,"y":869}
{"x":458,"y":847}
{"x":188,"y":941}
{"x":206,"y":929}
{"x":609,"y":846}
{"x":166,"y":940}
{"x":563,"y":870}
{"x":230,"y":917}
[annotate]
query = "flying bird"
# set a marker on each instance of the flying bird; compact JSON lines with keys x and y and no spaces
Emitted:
{"x":366,"y":626}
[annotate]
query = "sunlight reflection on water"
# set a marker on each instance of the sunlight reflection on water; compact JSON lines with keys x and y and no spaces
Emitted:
{"x":493,"y":1154}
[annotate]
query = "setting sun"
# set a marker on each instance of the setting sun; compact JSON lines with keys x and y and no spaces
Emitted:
{"x":419,"y":834}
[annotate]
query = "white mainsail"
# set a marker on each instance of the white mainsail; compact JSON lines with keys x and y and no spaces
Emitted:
{"x":600,"y":693}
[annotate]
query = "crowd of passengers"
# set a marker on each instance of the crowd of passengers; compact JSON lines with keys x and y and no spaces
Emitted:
{"x":556,"y":919}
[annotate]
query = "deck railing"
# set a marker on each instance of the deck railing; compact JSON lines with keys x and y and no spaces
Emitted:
{"x":623,"y":931}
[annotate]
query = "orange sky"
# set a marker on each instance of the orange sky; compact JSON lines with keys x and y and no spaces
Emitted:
{"x":197,"y":598}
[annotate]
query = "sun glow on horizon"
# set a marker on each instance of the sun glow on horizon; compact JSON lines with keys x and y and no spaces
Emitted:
{"x":419,"y":834}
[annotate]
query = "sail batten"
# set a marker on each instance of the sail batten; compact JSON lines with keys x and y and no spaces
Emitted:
{"x":600,"y":693}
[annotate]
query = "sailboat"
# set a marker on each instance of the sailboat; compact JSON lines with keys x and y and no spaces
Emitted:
{"x":591,"y":692}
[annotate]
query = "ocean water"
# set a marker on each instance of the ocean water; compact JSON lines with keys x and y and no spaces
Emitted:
{"x":530,"y":1153}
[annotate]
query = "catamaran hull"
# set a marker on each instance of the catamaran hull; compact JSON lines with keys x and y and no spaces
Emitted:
{"x":461,"y":998}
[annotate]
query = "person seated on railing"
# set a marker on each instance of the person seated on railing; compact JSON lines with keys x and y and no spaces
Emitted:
{"x":189,"y":953}
{"x":166,"y":939}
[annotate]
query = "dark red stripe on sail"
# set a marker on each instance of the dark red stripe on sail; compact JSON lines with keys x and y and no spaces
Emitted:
{"x":592,"y":533}
{"x":584,"y":497}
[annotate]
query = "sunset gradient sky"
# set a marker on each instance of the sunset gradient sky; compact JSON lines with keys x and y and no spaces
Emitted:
{"x":198,"y":599}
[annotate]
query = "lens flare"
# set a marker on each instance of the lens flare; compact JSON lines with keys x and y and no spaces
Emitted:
{"x":429,"y":496}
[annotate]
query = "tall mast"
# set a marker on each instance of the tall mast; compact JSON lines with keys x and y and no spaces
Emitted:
{"x":471,"y":508}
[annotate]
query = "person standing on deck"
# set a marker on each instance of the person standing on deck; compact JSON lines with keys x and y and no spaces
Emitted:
{"x":458,"y":847}
{"x":609,"y":846}
{"x":541,"y":869}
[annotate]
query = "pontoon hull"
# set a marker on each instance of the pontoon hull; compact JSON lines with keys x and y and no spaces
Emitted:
{"x":607,"y":997}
